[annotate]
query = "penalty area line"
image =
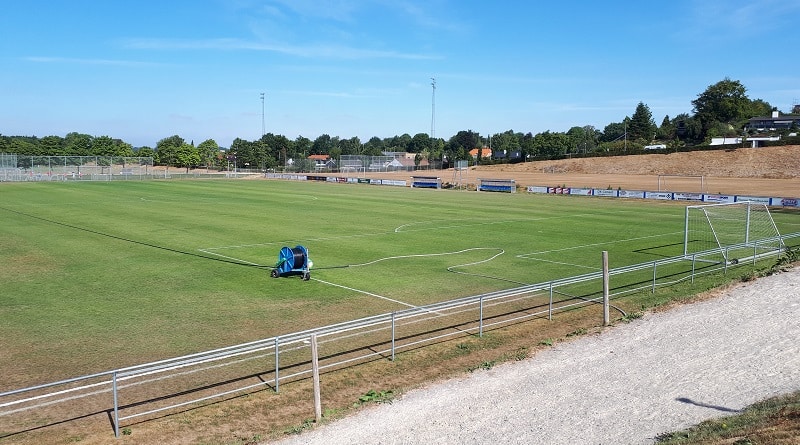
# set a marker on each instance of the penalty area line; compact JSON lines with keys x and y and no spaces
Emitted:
{"x":542,"y":252}
{"x":364,"y":292}
{"x":562,"y":263}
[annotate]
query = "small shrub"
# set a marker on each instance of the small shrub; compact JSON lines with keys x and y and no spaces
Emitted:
{"x":577,"y":332}
{"x":632,"y":316}
{"x":487,"y":365}
{"x":373,"y":396}
{"x":297,"y":429}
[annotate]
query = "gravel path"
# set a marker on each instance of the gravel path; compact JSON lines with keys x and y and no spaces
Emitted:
{"x":663,"y":372}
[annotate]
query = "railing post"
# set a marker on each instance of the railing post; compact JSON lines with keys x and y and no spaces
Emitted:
{"x":393,"y":333}
{"x":480,"y":319}
{"x":606,"y":316}
{"x":277,"y":366}
{"x":315,"y":378}
{"x":725,"y":270}
{"x":550,"y":307}
{"x":693,"y":262}
{"x":655,"y":263}
{"x":116,"y":403}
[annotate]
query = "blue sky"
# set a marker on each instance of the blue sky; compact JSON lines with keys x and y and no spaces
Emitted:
{"x":145,"y":70}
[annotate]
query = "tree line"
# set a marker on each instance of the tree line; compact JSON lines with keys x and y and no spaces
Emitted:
{"x":723,"y":109}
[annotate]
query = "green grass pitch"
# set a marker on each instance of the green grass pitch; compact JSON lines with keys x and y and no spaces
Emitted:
{"x":100,"y":275}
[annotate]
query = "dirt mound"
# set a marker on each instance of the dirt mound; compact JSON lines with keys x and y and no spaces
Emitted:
{"x":769,"y":162}
{"x":769,"y":171}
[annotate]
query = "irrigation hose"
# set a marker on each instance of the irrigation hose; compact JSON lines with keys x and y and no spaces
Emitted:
{"x":237,"y":263}
{"x":141,"y":243}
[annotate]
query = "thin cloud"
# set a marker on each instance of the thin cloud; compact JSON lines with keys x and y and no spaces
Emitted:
{"x":725,"y":20}
{"x":78,"y":61}
{"x":338,"y":94}
{"x":305,"y":51}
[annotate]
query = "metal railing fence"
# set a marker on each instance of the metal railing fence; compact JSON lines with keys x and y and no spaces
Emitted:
{"x":140,"y":392}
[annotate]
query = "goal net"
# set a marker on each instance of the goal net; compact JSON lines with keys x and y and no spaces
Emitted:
{"x":730,"y":232}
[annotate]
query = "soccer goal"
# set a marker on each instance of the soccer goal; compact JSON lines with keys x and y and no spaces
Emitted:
{"x":730,"y":232}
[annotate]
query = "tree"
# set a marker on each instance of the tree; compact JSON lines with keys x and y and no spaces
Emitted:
{"x":145,"y":152}
{"x":687,"y":128}
{"x":208,"y":151}
{"x":281,"y":145}
{"x":551,"y":145}
{"x":107,"y":146}
{"x":398,"y":143}
{"x":506,"y":143}
{"x":613,"y":131}
{"x":526,"y":144}
{"x":374,"y":145}
{"x":351,"y":146}
{"x":666,"y":130}
{"x":167,"y":150}
{"x":187,"y":156}
{"x":51,"y":145}
{"x":642,"y":125}
{"x":463,"y":141}
{"x":322,"y":145}
{"x":77,"y":144}
{"x":419,"y":143}
{"x":302,"y":145}
{"x":724,"y":102}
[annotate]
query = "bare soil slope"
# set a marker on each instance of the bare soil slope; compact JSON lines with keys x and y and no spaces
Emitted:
{"x":769,"y":171}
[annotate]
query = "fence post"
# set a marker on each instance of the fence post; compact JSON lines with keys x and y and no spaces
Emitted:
{"x":480,"y":319}
{"x":315,"y":372}
{"x":725,"y":270}
{"x":606,"y":316}
{"x":277,"y":366}
{"x":550,"y":307}
{"x":655,"y":264}
{"x":116,"y":403}
{"x":393,"y":332}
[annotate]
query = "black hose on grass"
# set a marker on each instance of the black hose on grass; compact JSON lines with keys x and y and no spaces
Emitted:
{"x":141,"y":243}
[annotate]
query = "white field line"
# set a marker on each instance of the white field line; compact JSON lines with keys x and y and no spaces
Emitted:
{"x":562,"y":263}
{"x":402,"y":228}
{"x":423,"y":255}
{"x":285,"y":243}
{"x":364,"y":292}
{"x":543,"y":252}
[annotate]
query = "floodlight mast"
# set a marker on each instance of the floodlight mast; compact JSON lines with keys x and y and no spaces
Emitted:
{"x":433,"y":108}
{"x":433,"y":116}
{"x":262,"y":115}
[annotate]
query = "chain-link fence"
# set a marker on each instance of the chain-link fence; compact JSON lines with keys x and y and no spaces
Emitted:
{"x":69,"y":168}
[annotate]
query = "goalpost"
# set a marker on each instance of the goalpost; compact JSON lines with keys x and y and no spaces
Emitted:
{"x":730,"y":232}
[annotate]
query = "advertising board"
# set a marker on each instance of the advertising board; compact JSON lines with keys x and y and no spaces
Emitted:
{"x":630,"y":194}
{"x":580,"y":192}
{"x":605,"y":192}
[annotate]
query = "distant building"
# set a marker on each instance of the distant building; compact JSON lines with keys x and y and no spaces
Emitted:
{"x":484,"y":152}
{"x":774,"y":122}
{"x":322,"y":162}
{"x":512,"y":155}
{"x":754,"y":142}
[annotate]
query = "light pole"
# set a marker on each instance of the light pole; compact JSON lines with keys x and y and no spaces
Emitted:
{"x":262,"y":115}
{"x":433,"y":115}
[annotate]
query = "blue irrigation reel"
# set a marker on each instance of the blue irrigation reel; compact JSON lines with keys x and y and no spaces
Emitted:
{"x":293,"y":261}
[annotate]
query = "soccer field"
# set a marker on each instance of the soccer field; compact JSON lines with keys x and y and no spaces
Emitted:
{"x":100,"y":275}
